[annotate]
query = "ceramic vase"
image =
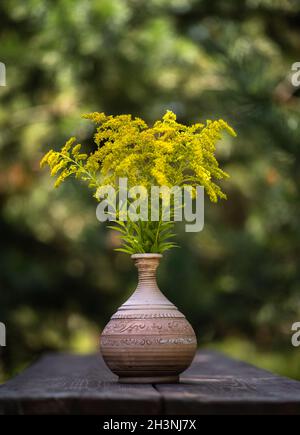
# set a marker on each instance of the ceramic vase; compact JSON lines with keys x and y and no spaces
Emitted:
{"x":148,"y":340}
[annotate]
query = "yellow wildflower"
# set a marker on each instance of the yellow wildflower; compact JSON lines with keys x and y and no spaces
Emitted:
{"x":168,"y":153}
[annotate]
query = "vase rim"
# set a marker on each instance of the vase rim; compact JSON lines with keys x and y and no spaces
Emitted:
{"x":148,"y":255}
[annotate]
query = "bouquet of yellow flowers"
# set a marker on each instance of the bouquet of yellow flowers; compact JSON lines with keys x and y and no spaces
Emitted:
{"x":167,"y":154}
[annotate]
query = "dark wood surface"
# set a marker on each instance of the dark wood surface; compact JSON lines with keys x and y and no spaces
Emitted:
{"x":214,"y":384}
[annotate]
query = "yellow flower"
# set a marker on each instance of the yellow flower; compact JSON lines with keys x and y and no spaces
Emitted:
{"x":168,"y":153}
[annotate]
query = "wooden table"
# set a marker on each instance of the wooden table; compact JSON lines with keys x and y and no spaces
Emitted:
{"x":214,"y":384}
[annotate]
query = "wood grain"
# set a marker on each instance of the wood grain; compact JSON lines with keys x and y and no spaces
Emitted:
{"x":72,"y":384}
{"x":214,"y":384}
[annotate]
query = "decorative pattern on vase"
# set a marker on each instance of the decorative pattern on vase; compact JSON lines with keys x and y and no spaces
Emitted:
{"x":148,"y":339}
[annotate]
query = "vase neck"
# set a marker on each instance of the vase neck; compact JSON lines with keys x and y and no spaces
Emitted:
{"x":147,"y":293}
{"x":147,"y":271}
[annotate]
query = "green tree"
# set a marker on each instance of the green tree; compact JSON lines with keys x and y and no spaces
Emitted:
{"x":59,"y":277}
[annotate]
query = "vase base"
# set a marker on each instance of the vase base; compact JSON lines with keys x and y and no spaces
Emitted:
{"x":149,"y":380}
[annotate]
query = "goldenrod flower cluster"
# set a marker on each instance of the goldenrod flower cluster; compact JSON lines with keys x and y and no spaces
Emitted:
{"x":169,"y":153}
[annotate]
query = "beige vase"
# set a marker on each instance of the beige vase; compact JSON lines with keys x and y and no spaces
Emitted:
{"x":148,"y":339}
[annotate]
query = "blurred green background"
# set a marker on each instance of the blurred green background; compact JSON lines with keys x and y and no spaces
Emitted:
{"x":238,"y":281}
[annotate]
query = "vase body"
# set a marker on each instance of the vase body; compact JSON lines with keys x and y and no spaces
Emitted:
{"x":148,"y":339}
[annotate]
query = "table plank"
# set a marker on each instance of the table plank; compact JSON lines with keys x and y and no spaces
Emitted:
{"x":214,"y":384}
{"x":75,"y":384}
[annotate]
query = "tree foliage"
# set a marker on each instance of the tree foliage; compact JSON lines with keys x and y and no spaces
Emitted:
{"x":59,"y":276}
